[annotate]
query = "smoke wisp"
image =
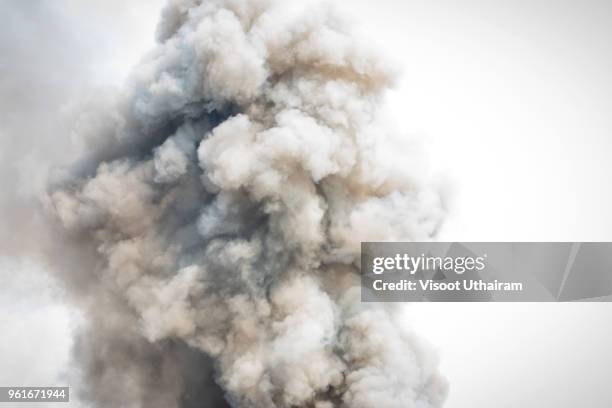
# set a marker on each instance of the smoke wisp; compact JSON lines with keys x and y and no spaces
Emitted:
{"x":218,"y":212}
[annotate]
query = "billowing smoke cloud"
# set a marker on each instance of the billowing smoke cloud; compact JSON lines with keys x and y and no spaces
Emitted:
{"x":219,"y":209}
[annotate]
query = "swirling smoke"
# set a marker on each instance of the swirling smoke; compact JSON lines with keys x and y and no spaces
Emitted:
{"x":218,"y":214}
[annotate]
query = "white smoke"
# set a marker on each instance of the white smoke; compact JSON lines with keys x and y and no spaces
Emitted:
{"x":219,"y":209}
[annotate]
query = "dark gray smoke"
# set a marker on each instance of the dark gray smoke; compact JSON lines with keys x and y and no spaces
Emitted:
{"x":218,"y":212}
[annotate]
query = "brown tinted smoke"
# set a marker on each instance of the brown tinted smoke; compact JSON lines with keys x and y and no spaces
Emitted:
{"x":219,"y":211}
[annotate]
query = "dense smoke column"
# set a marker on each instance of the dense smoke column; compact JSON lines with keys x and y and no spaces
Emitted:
{"x":218,"y":211}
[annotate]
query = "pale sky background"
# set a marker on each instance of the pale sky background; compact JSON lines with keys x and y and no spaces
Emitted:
{"x":514,"y":98}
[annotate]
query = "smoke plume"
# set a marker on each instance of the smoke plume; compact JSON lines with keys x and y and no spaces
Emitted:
{"x":218,"y":209}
